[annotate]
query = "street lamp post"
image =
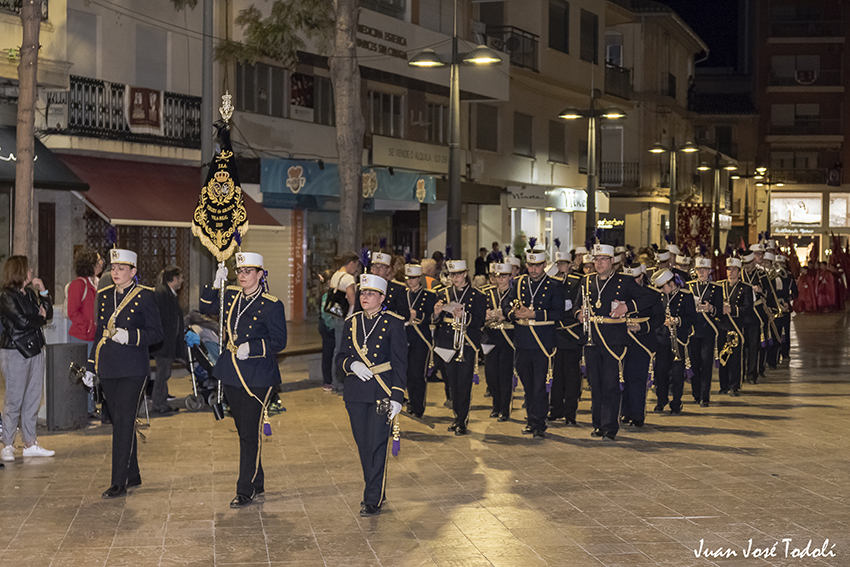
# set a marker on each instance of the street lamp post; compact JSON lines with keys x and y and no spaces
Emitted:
{"x":705,"y":166}
{"x":481,"y":55}
{"x":592,"y":114}
{"x":688,"y":148}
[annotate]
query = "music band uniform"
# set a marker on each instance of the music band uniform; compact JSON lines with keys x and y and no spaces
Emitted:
{"x":258,"y":320}
{"x":739,"y":297}
{"x":703,"y":347}
{"x":671,"y":358}
{"x":419,"y":341}
{"x":499,"y":362}
{"x":123,"y":369}
{"x":566,"y":377}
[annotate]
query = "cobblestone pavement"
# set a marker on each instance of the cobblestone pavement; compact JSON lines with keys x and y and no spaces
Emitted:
{"x":764,"y":467}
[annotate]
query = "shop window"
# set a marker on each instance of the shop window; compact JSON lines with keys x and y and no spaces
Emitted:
{"x":589,"y":48}
{"x":437,"y":131}
{"x":559,"y":25}
{"x":839,"y":210}
{"x":487,"y":128}
{"x":557,"y":141}
{"x":795,"y":210}
{"x":385,"y":112}
{"x":523,"y":134}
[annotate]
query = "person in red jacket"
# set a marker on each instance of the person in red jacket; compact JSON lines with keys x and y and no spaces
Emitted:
{"x":80,"y":301}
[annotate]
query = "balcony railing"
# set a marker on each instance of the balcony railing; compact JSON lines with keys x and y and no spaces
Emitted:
{"x":14,"y":6}
{"x":618,"y":81}
{"x":809,"y":176}
{"x":97,"y":109}
{"x":807,"y":127}
{"x":619,"y":174}
{"x":818,"y":28}
{"x":519,"y":44}
{"x":813,"y":78}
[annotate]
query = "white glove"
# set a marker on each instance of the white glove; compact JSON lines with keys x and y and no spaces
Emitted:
{"x":121,"y":336}
{"x":88,"y":379}
{"x":243,"y":351}
{"x":395,"y":409}
{"x":361,"y":370}
{"x":220,"y":276}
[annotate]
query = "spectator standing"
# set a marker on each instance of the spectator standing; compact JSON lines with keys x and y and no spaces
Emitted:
{"x":343,"y":281}
{"x":326,"y":331}
{"x":172,"y":346}
{"x":80,"y":301}
{"x":481,"y":263}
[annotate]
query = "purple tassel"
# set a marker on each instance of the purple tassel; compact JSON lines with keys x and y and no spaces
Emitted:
{"x":431,"y":371}
{"x":717,"y":363}
{"x":622,"y":385}
{"x":396,"y":447}
{"x":583,"y":370}
{"x":513,"y":381}
{"x":763,"y":344}
{"x":475,"y":378}
{"x":770,"y":342}
{"x":548,"y":386}
{"x":689,"y":373}
{"x":649,"y":381}
{"x":267,"y":429}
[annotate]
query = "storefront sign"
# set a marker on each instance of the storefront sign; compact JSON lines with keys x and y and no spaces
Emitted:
{"x":791,"y":210}
{"x":609,"y":223}
{"x":410,"y":155}
{"x":296,"y":273}
{"x":525,"y":197}
{"x":791,"y":231}
{"x":383,"y":42}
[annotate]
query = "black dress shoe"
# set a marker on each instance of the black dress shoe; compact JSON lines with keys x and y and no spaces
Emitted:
{"x":370,"y":510}
{"x":658,"y":409}
{"x":609,"y":437}
{"x":453,"y":427}
{"x":240,"y":501}
{"x":570,"y":420}
{"x":675,"y":411}
{"x":503,"y":417}
{"x":703,"y":404}
{"x":724,"y":391}
{"x":114,"y":491}
{"x":135,"y":481}
{"x":637,"y":422}
{"x":539,"y":434}
{"x":527,"y":430}
{"x":734,"y":393}
{"x":166,"y":410}
{"x":494,"y":413}
{"x":461,"y":430}
{"x":596,"y":433}
{"x":624,"y":419}
{"x":447,"y":404}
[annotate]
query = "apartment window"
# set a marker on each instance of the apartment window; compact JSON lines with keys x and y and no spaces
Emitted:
{"x":487,"y":128}
{"x":794,"y":69}
{"x":437,"y":131}
{"x":385,"y":112}
{"x":437,"y":15}
{"x":394,"y":8}
{"x":325,"y":111}
{"x":261,"y":88}
{"x":557,"y":141}
{"x":151,"y":57}
{"x":670,"y":87}
{"x":589,"y":37}
{"x":614,"y":48}
{"x":82,"y":43}
{"x":522,"y":134}
{"x":793,"y":114}
{"x":559,"y":25}
{"x":582,"y":156}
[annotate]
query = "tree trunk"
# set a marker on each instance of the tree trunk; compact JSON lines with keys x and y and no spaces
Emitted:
{"x":350,"y":126}
{"x":23,"y":241}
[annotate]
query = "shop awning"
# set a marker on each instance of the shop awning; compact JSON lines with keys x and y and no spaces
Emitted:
{"x":50,"y":172}
{"x":149,"y":194}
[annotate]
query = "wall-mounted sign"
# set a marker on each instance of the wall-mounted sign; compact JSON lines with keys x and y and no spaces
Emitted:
{"x":382,"y":42}
{"x":527,"y":197}
{"x":791,"y":230}
{"x":725,"y":221}
{"x":796,"y":210}
{"x":410,"y":155}
{"x":609,"y":223}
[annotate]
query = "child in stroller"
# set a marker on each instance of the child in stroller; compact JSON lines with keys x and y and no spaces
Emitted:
{"x":202,"y":342}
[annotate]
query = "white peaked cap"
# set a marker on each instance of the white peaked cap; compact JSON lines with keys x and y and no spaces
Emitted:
{"x":119,"y":256}
{"x":412,"y":270}
{"x":373,"y":282}
{"x":381,"y":258}
{"x":456,"y":266}
{"x":249,"y":260}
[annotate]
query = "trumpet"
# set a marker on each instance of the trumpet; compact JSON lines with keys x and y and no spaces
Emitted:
{"x":585,"y":313}
{"x":674,"y":334}
{"x":459,"y":327}
{"x":732,"y":341}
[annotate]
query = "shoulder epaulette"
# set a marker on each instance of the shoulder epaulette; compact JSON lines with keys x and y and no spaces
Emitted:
{"x":395,"y":281}
{"x":557,"y":278}
{"x":270,"y":297}
{"x":146,"y":287}
{"x":430,"y":291}
{"x":110,"y":286}
{"x":234,"y":288}
{"x":352,"y":315}
{"x":394,"y":314}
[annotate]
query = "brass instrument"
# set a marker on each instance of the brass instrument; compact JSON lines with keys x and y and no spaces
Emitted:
{"x":674,"y":333}
{"x":732,"y":342}
{"x":459,"y":327}
{"x":585,"y":314}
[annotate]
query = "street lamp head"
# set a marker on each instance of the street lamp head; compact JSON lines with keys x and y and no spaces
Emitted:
{"x":426,"y":58}
{"x":757,"y":177}
{"x":759,"y":184}
{"x":613,"y":114}
{"x":762,"y":170}
{"x":657,"y":148}
{"x":730,"y":167}
{"x":779,"y":185}
{"x":482,"y":55}
{"x":735,"y":176}
{"x":689,"y":148}
{"x":703,"y":166}
{"x":570,"y":113}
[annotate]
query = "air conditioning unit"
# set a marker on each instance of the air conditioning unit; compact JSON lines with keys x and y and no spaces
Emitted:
{"x":495,"y":43}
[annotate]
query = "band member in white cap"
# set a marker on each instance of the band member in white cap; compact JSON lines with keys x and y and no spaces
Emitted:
{"x":703,"y":346}
{"x":420,"y":302}
{"x":671,"y":359}
{"x":755,"y":348}
{"x":737,"y":307}
{"x":380,"y":264}
{"x":255,"y":323}
{"x":128,"y":323}
{"x":786,"y":292}
{"x":566,"y":380}
{"x":536,"y":304}
{"x":606,"y":299}
{"x":498,"y":343}
{"x":452,"y":334}
{"x":374,"y":356}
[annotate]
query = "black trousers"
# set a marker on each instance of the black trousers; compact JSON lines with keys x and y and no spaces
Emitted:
{"x":371,"y":433}
{"x":784,"y":324}
{"x":532,"y":366}
{"x":124,"y":396}
{"x":701,"y":351}
{"x":763,"y":350}
{"x":417,"y":366}
{"x":603,"y":373}
{"x":669,"y":376}
{"x":459,"y":379}
{"x":328,"y":345}
{"x":752,"y":338}
{"x":248,"y":414}
{"x":566,"y":384}
{"x":732,"y":373}
{"x":159,"y":396}
{"x":499,"y":371}
{"x":636,"y":377}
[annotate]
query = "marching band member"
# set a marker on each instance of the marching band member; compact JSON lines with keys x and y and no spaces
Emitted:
{"x":374,"y":349}
{"x":128,"y":323}
{"x":420,"y":303}
{"x":786,"y":290}
{"x":737,"y":308}
{"x":703,"y":347}
{"x":775,"y":311}
{"x":464,"y":339}
{"x":639,"y":370}
{"x":255,"y":323}
{"x":536,"y":303}
{"x":606,"y":299}
{"x":394,"y":300}
{"x":671,"y":359}
{"x":566,"y":380}
{"x":499,"y":340}
{"x":755,"y":347}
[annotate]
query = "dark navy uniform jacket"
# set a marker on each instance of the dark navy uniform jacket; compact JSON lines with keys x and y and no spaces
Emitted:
{"x":422,"y":301}
{"x":681,"y":306}
{"x":568,"y":331}
{"x":140,"y":316}
{"x":646,"y":334}
{"x":475,"y":305}
{"x":262,"y":326}
{"x":503,"y":337}
{"x":548,"y":306}
{"x":705,"y":324}
{"x":618,"y":287}
{"x":387,"y":343}
{"x":394,"y":299}
{"x":740,"y":299}
{"x":785,"y":287}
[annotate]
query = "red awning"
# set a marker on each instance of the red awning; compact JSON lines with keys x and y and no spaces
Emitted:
{"x":145,"y":193}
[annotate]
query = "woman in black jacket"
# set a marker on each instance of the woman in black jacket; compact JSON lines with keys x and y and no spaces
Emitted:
{"x":23,"y":313}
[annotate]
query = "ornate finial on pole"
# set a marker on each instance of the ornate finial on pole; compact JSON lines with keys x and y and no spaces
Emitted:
{"x":226,"y":108}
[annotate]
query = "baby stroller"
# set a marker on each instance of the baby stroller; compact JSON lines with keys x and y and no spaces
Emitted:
{"x":202,"y":355}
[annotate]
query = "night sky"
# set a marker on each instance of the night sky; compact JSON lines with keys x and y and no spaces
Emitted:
{"x":716,"y":22}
